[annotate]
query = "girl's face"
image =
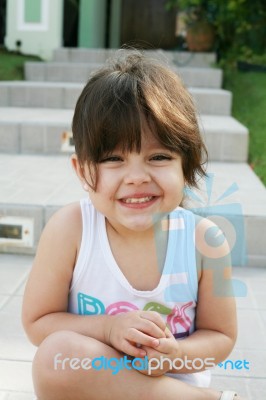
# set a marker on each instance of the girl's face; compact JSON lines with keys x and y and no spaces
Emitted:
{"x":134,"y":188}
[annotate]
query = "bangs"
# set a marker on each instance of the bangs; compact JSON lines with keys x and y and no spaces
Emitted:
{"x":119,"y":128}
{"x":111,"y":118}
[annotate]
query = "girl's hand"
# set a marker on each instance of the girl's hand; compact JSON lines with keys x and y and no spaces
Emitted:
{"x":168,"y":348}
{"x":130,"y":332}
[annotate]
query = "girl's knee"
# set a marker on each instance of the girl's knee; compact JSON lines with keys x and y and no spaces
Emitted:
{"x":56,"y":359}
{"x":56,"y":342}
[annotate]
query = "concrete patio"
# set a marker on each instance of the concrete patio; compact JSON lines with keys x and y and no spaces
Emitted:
{"x":16,"y":353}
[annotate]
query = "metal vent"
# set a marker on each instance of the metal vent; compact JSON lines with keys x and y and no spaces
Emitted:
{"x":17,"y":231}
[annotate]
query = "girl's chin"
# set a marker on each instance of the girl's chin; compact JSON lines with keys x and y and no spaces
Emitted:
{"x":138,"y":225}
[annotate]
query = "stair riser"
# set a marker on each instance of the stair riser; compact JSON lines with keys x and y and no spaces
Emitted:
{"x":182,"y":59}
{"x":47,"y":139}
{"x":82,"y":55}
{"x":211,"y":78}
{"x":227,"y":147}
{"x":32,"y":138}
{"x":31,"y":213}
{"x":33,"y":96}
{"x":212,"y":103}
{"x":58,"y":73}
{"x":60,"y":96}
{"x":63,"y":72}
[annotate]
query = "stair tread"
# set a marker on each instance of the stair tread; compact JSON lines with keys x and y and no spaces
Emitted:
{"x":56,"y":71}
{"x":35,"y":115}
{"x":51,"y":181}
{"x":40,"y":84}
{"x":81,"y":85}
{"x":96,"y":63}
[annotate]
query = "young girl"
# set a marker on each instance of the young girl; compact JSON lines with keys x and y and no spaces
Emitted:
{"x":123,"y":298}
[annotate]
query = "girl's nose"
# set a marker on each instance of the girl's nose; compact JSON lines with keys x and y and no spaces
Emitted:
{"x":137,"y":174}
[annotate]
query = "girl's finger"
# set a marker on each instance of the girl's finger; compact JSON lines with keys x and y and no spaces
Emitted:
{"x":166,"y":345}
{"x":148,"y":327}
{"x":168,"y":333}
{"x":132,"y":350}
{"x":136,"y":336}
{"x":154,"y":317}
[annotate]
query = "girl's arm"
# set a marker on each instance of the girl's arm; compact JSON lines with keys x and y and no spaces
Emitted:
{"x":216,"y":322}
{"x":46,"y":294}
{"x":45,"y":300}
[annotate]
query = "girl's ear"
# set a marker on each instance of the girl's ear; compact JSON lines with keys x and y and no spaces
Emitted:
{"x":79,"y":171}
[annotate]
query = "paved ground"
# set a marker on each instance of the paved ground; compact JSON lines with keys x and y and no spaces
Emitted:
{"x":16,"y":352}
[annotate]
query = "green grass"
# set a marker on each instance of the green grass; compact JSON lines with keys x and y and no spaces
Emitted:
{"x":249,"y":107}
{"x":11,"y":65}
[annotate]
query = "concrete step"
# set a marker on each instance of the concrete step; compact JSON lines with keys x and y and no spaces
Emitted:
{"x":48,"y":131}
{"x":58,"y":95}
{"x":180,"y":58}
{"x":226,"y":138}
{"x":64,"y":95}
{"x":68,"y":54}
{"x":201,"y":77}
{"x":212,"y":101}
{"x":80,"y":72}
{"x":34,"y":130}
{"x":59,"y":71}
{"x":33,"y":187}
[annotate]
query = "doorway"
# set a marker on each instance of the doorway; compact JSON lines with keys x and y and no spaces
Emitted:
{"x":148,"y":24}
{"x":2,"y":21}
{"x":70,"y":23}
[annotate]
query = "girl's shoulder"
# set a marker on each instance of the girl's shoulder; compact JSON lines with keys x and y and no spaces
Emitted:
{"x":66,"y":216}
{"x":65,"y":225}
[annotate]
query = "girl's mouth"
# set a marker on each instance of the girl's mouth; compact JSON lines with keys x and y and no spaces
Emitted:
{"x":137,"y":200}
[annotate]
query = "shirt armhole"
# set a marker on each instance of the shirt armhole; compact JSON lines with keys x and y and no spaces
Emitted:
{"x":84,"y":245}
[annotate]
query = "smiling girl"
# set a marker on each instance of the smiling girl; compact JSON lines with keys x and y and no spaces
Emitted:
{"x":120,"y":273}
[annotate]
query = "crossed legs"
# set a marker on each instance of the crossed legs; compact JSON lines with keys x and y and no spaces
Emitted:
{"x":61,"y":382}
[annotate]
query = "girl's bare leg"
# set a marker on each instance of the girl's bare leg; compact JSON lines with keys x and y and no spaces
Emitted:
{"x":81,"y":384}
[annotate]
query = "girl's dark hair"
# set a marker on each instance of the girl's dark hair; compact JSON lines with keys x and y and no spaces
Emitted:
{"x":111,"y":107}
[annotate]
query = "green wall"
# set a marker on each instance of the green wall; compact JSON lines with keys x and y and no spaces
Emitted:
{"x":92,"y":23}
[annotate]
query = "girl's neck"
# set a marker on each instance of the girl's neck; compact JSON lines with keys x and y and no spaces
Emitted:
{"x":139,"y":254}
{"x":132,"y":236}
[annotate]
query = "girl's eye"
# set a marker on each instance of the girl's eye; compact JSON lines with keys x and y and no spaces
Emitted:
{"x":161,"y":157}
{"x":111,"y":159}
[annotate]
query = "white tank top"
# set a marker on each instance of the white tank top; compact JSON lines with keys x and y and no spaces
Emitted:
{"x":99,"y":287}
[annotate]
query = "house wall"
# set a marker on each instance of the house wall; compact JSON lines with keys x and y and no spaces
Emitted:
{"x":115,"y":24}
{"x":34,"y":26}
{"x":92,"y":23}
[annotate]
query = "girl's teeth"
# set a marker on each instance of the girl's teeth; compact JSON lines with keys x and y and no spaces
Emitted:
{"x":138,"y":200}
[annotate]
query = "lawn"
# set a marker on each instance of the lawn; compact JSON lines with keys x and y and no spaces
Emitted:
{"x":11,"y":65}
{"x":249,"y":103}
{"x":249,"y":107}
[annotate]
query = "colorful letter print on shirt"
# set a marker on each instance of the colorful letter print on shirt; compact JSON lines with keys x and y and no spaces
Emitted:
{"x":178,"y":320}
